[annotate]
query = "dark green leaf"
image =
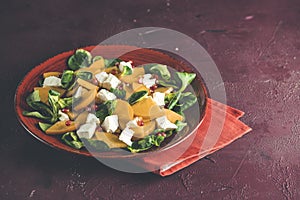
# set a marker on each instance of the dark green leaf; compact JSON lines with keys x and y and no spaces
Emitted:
{"x":105,"y":109}
{"x":161,"y":70}
{"x":80,"y":59}
{"x":187,"y":100}
{"x":180,"y":125}
{"x":146,"y":143}
{"x":172,"y":103}
{"x":158,"y":139}
{"x":85,"y":75}
{"x":67,"y":79}
{"x":137,"y":96}
{"x":65,"y":102}
{"x":95,"y":144}
{"x":141,"y":145}
{"x":126,"y":71}
{"x":185,"y":79}
{"x":97,"y":58}
{"x":36,"y":114}
{"x":119,"y":93}
{"x":34,"y":101}
{"x":44,"y":126}
{"x":111,"y":62}
{"x":167,"y":84}
{"x":72,"y":140}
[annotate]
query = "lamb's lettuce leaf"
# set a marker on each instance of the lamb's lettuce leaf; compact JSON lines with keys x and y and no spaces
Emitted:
{"x":187,"y":100}
{"x":85,"y":75}
{"x":68,"y":79}
{"x":72,"y":140}
{"x":96,"y":145}
{"x":185,"y":79}
{"x":161,"y":70}
{"x":80,"y":59}
{"x":118,"y":92}
{"x":105,"y":109}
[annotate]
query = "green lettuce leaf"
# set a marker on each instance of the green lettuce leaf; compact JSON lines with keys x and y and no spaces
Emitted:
{"x":185,"y":79}
{"x":72,"y":140}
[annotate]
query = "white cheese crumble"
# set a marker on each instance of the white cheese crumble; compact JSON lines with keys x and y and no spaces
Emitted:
{"x":111,"y":82}
{"x":105,"y":95}
{"x":101,"y":77}
{"x":92,"y":118}
{"x":164,"y":123}
{"x":148,"y":81}
{"x":159,"y":98}
{"x":126,"y":136}
{"x":87,"y":130}
{"x":52,"y":81}
{"x":110,"y":123}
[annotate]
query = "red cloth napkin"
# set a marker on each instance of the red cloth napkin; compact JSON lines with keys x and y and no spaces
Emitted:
{"x":220,"y":127}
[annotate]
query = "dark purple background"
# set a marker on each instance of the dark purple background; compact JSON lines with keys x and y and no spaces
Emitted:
{"x":258,"y":59}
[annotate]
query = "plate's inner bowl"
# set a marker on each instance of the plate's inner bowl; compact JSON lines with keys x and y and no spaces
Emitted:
{"x":193,"y":115}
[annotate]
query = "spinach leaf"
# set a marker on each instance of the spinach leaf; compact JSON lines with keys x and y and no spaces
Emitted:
{"x":146,"y":143}
{"x":187,"y":99}
{"x":85,"y":75}
{"x":180,"y":125}
{"x":148,"y":66}
{"x":95,"y":144}
{"x":185,"y":79}
{"x":97,"y":58}
{"x":137,"y":96}
{"x":65,"y":102}
{"x":158,"y":139}
{"x":111,"y":62}
{"x":170,"y":83}
{"x":37,"y":115}
{"x":34,"y":101}
{"x":161,"y":70}
{"x":126,"y":70}
{"x":105,"y":109}
{"x":53,"y":98}
{"x":141,"y":145}
{"x":44,"y":126}
{"x":80,"y":59}
{"x":67,"y":79}
{"x":174,"y":100}
{"x":119,"y":93}
{"x":72,"y":140}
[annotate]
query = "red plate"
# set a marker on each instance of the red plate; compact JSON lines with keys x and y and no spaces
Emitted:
{"x":138,"y":56}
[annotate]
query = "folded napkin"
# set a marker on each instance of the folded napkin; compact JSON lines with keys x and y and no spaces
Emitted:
{"x":220,"y":127}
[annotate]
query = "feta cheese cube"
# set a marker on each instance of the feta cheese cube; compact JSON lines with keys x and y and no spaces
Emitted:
{"x":126,"y":136}
{"x":111,"y":82}
{"x":164,"y":123}
{"x":105,"y":95}
{"x":110,"y":123}
{"x":101,"y":77}
{"x":159,"y":98}
{"x":148,"y":81}
{"x":87,"y":130}
{"x":63,"y":116}
{"x":52,"y":81}
{"x":123,"y":64}
{"x":92,"y":118}
{"x":147,"y":76}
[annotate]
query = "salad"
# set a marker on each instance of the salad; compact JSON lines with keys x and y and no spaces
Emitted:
{"x":105,"y":104}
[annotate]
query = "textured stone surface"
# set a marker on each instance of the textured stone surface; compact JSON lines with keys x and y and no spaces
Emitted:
{"x":256,"y":47}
